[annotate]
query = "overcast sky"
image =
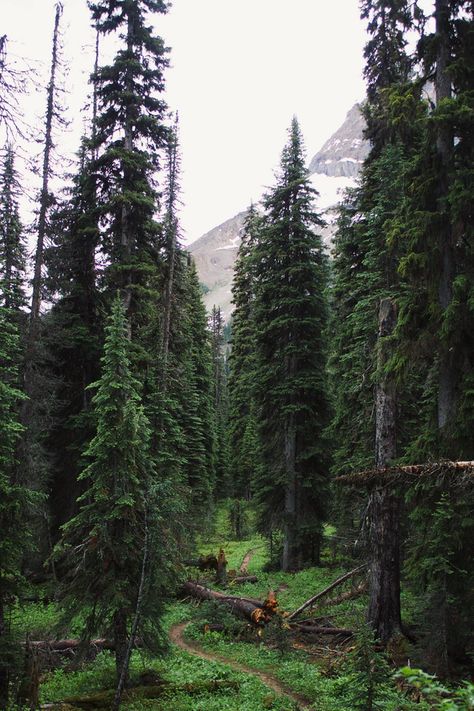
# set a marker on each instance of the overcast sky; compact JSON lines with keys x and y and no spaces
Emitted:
{"x":239,"y":71}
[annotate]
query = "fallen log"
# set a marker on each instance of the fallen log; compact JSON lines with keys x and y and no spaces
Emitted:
{"x":317,"y":630}
{"x":104,"y":699}
{"x":204,"y":562}
{"x":241,"y":579}
{"x":325,"y":592}
{"x":349,"y":595}
{"x":256,"y":611}
{"x":67,"y":645}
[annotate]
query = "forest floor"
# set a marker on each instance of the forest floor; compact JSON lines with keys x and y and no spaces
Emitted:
{"x":252,"y":669}
{"x":177,"y":638}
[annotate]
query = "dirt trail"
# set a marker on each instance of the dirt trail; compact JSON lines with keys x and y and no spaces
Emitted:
{"x":176,"y":636}
{"x":247,"y":557}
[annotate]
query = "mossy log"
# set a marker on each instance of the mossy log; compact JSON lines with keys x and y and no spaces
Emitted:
{"x":204,"y":562}
{"x":104,"y":699}
{"x":241,"y":579}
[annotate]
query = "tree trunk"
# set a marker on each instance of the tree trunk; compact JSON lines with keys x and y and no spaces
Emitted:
{"x":171,"y":229}
{"x":120,"y":644}
{"x":384,"y":506}
{"x":221,"y":576}
{"x":290,"y":552}
{"x":125,"y":234}
{"x":444,"y":148}
{"x":255,"y":611}
{"x":4,"y":676}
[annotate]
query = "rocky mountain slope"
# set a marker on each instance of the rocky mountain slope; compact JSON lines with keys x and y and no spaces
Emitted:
{"x":334,"y":168}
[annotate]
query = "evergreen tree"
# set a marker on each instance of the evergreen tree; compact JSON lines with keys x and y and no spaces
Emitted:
{"x":114,"y":552}
{"x":243,"y":436}
{"x":129,"y":136}
{"x":291,"y":394}
{"x":12,"y":247}
{"x":220,"y":404}
{"x":73,"y":331}
{"x":15,"y":499}
{"x":197,"y":403}
{"x":45,"y":198}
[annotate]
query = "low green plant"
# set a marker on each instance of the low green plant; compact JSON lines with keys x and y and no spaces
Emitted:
{"x":439,"y":696}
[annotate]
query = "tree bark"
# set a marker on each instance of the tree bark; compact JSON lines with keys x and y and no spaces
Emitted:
{"x":4,"y":675}
{"x":384,"y":506}
{"x":171,"y":229}
{"x":256,"y":611}
{"x":325,"y":592}
{"x":444,"y":148}
{"x":290,"y":552}
{"x":120,"y":643}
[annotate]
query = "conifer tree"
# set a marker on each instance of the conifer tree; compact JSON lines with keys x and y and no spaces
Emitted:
{"x":220,"y":404}
{"x":12,"y":247}
{"x":197,"y":404}
{"x":73,"y":333}
{"x":15,"y":498}
{"x":45,"y":199}
{"x":290,"y":322}
{"x":130,"y":133}
{"x":114,"y":558}
{"x":243,"y":436}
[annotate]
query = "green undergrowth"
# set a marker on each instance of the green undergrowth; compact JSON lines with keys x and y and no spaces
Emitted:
{"x":331,"y":690}
{"x":178,"y":668}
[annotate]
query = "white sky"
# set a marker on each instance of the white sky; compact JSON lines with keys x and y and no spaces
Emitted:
{"x":239,"y":71}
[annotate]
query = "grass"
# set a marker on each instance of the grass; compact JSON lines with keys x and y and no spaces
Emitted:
{"x":327,"y":683}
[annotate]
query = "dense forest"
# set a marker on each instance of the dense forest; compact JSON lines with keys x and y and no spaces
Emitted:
{"x":152,"y":455}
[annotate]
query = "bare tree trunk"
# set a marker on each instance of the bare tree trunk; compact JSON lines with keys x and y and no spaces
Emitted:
{"x":133,"y":633}
{"x":171,"y":239}
{"x":444,"y":147}
{"x":384,"y":506}
{"x":290,"y":553}
{"x":125,"y":236}
{"x":45,"y":197}
{"x":120,"y":644}
{"x":4,"y":675}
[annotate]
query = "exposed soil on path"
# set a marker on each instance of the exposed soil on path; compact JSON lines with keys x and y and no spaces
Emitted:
{"x":247,"y":557}
{"x":177,"y":638}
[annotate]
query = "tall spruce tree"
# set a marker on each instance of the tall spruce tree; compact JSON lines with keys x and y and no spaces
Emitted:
{"x":219,"y":367}
{"x":113,"y":552}
{"x":243,"y":436}
{"x":73,"y":332}
{"x":15,"y":499}
{"x":291,"y":393}
{"x":130,"y":133}
{"x":12,"y":246}
{"x":435,"y":225}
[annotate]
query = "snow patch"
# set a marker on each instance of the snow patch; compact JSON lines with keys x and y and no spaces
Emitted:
{"x":234,"y":243}
{"x":329,"y":188}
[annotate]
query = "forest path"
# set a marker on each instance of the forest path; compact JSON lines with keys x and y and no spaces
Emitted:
{"x":176,"y":637}
{"x":246,"y":560}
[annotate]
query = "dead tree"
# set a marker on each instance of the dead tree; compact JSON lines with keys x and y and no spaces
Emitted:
{"x":384,"y":505}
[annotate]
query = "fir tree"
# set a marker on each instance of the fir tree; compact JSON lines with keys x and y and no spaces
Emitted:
{"x":73,"y":332}
{"x":129,"y":136}
{"x":12,"y":247}
{"x":114,"y":558}
{"x":15,"y":499}
{"x":290,"y":322}
{"x":220,"y":402}
{"x":243,"y":436}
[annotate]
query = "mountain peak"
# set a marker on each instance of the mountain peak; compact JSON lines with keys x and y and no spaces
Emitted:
{"x":343,"y":154}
